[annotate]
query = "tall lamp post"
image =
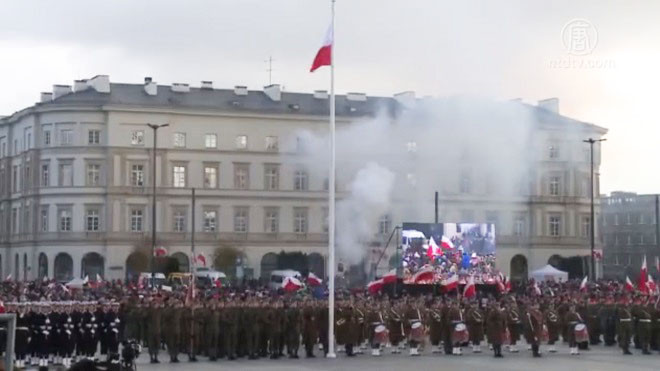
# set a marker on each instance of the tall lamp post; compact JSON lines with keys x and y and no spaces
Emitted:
{"x":155,"y":128}
{"x":592,"y":223}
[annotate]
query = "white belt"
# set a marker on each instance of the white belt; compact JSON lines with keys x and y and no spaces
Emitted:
{"x":645,"y":320}
{"x":624,"y":320}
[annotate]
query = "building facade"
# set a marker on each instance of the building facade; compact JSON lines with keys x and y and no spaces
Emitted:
{"x":76,"y":179}
{"x":630,"y":231}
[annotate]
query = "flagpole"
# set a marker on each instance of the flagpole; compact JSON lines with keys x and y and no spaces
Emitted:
{"x":331,"y":200}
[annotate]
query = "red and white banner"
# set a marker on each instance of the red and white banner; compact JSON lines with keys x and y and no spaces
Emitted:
{"x":470,"y":289}
{"x":291,"y":284}
{"x":324,"y":55}
{"x":201,"y":259}
{"x":375,"y":286}
{"x":313,"y":280}
{"x":650,"y":284}
{"x":450,"y":283}
{"x":390,"y":277}
{"x":424,"y":275}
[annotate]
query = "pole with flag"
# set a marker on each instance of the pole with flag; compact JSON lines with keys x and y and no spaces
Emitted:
{"x":326,"y":57}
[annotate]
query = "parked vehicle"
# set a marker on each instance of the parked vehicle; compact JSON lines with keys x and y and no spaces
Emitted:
{"x":278,"y":276}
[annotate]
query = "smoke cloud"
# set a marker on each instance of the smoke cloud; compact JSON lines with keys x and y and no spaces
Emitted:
{"x":475,"y":152}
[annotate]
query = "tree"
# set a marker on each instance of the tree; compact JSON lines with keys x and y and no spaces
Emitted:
{"x":224,"y":259}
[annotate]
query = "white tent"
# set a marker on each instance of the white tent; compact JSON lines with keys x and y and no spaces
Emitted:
{"x":76,"y":283}
{"x":549,"y":273}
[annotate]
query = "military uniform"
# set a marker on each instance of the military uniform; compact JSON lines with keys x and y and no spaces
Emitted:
{"x":310,"y":333}
{"x":495,"y":329}
{"x":172,"y":331}
{"x":293,"y":321}
{"x":154,"y":331}
{"x":554,"y":328}
{"x":475,"y":325}
{"x":533,"y":328}
{"x":395,"y":327}
{"x":624,"y":327}
{"x":435,"y":327}
{"x":643,"y":329}
{"x":513,"y":324}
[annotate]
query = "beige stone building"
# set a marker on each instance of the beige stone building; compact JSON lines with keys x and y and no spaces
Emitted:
{"x":75,"y":180}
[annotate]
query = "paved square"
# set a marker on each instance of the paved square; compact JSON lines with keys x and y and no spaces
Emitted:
{"x":599,"y":358}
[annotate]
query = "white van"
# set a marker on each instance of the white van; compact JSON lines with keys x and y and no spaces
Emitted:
{"x":277,"y":277}
{"x":207,"y":274}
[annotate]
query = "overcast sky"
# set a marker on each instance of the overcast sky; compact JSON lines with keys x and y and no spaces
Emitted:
{"x":498,"y":49}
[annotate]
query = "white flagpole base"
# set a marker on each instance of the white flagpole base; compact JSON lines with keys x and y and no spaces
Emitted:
{"x":331,"y":355}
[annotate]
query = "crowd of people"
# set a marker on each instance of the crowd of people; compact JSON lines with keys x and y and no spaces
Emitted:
{"x":57,"y":325}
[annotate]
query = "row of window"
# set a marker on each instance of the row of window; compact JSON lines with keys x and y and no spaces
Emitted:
{"x":629,"y":239}
{"x":136,"y":219}
{"x":137,"y":176}
{"x":210,"y":140}
{"x":629,"y":218}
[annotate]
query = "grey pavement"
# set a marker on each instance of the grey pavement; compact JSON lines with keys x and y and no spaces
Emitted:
{"x":599,"y":358}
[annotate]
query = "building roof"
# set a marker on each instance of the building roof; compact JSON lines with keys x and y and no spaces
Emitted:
{"x":255,"y":101}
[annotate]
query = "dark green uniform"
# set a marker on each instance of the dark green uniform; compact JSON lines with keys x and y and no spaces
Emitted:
{"x":229,"y":320}
{"x":643,"y":328}
{"x":292,"y":331}
{"x":624,"y":327}
{"x":172,"y":331}
{"x":275,"y":323}
{"x":310,"y":333}
{"x":154,"y":331}
{"x":212,"y":332}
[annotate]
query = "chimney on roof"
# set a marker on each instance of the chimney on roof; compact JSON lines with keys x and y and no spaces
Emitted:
{"x":321,"y":94}
{"x":273,"y":92}
{"x":60,"y":90}
{"x":178,"y":87}
{"x":406,"y":99}
{"x":356,"y":97}
{"x":240,"y":90}
{"x":100,"y":83}
{"x":207,"y":85}
{"x":150,"y":86}
{"x":80,"y":85}
{"x":46,"y":96}
{"x":550,"y":104}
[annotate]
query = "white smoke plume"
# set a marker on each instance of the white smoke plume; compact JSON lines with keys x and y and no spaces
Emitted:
{"x":393,"y":166}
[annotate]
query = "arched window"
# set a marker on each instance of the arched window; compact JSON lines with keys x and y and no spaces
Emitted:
{"x":184,"y":262}
{"x":316,"y":264}
{"x":519,"y":268}
{"x":63,"y":267}
{"x":92,"y":265}
{"x":268,"y":264}
{"x":136,"y":263}
{"x":42,"y":270}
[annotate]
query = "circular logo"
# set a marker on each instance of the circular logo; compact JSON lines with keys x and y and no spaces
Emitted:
{"x":579,"y":37}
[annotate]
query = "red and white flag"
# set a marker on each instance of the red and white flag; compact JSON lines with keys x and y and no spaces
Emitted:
{"x":390,"y":277}
{"x":324,"y":55}
{"x":291,"y":284}
{"x":8,"y":278}
{"x":450,"y":283}
{"x":470,"y":289}
{"x":433,"y":249}
{"x":160,"y":251}
{"x":537,"y":289}
{"x":313,"y":280}
{"x":201,"y":259}
{"x":425,"y":274}
{"x":375,"y":286}
{"x":643,"y":276}
{"x":503,"y":284}
{"x":650,"y":284}
{"x":629,"y":285}
{"x":446,"y":243}
{"x":583,"y":284}
{"x":657,"y":264}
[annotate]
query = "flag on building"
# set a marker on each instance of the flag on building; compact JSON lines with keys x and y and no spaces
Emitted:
{"x":160,"y":251}
{"x":324,"y":55}
{"x":201,"y":259}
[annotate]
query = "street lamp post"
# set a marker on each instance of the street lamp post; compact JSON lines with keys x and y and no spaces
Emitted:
{"x":155,"y":128}
{"x":592,"y":223}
